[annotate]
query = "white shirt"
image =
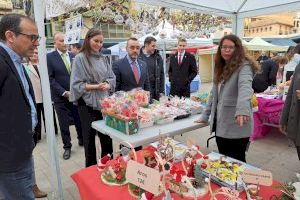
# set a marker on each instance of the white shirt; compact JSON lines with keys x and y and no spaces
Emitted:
{"x":180,"y":54}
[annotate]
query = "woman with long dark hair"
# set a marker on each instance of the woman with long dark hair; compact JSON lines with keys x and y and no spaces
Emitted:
{"x":92,"y":79}
{"x":229,"y":104}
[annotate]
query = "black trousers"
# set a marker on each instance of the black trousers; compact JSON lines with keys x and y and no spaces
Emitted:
{"x":38,"y":129}
{"x":180,"y":91}
{"x":87,"y":116}
{"x":65,"y":111}
{"x":298,"y":151}
{"x":235,"y":148}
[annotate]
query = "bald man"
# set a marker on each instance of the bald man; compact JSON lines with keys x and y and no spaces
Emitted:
{"x":59,"y":68}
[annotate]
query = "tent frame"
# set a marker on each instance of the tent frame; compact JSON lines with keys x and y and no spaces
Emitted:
{"x":238,"y":15}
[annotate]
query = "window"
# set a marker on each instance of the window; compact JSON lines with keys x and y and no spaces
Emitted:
{"x":261,"y":29}
{"x":270,"y":28}
{"x":257,"y":30}
{"x":266,"y":29}
{"x":297,"y":24}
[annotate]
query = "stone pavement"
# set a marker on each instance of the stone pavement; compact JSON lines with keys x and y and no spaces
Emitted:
{"x":270,"y":153}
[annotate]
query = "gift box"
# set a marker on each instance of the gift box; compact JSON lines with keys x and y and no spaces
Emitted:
{"x":129,"y":127}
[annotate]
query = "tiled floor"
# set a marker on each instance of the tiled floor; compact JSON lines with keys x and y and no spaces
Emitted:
{"x":270,"y":153}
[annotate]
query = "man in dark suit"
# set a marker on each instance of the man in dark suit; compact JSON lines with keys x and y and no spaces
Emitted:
{"x":18,"y":117}
{"x":130,"y":71}
{"x":59,"y":68}
{"x":182,"y":71}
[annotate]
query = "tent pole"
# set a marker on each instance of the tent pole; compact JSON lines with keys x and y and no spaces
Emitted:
{"x":238,"y":25}
{"x":165,"y":66}
{"x":56,"y":183}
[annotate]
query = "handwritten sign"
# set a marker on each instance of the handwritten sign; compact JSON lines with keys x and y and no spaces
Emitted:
{"x":260,"y":177}
{"x":144,"y":177}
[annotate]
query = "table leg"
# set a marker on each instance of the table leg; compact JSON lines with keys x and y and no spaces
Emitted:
{"x":116,"y":147}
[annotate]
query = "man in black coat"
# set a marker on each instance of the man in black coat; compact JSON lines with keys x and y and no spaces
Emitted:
{"x":268,"y":75}
{"x":154,"y":62}
{"x":18,"y":117}
{"x":182,"y":71}
{"x":59,"y":69}
{"x":131,"y":72}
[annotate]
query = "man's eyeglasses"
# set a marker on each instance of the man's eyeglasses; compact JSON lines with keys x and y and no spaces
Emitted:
{"x":32,"y":37}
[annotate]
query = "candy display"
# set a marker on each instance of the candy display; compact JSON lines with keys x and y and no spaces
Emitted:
{"x":145,"y":117}
{"x":129,"y":111}
{"x":187,"y":178}
{"x":186,"y":104}
{"x":170,"y":146}
{"x":114,"y":174}
{"x":225,"y":170}
{"x":201,"y":97}
{"x":141,"y":97}
{"x":128,"y":127}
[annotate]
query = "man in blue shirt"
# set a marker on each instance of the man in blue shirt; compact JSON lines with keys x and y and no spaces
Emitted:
{"x":131,"y":72}
{"x":19,"y":37}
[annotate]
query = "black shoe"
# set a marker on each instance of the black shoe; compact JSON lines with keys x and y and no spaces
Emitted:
{"x":80,"y":142}
{"x":67,"y":154}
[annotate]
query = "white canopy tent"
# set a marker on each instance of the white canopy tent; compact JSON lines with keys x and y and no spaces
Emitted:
{"x":237,"y":9}
{"x":258,"y":44}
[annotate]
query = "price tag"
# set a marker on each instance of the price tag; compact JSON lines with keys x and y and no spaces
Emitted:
{"x":144,"y":177}
{"x":259,"y":177}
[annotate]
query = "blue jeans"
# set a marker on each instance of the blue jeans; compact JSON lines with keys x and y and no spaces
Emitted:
{"x":18,"y":185}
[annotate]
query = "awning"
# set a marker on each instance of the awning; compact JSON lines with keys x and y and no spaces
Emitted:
{"x":283,"y":42}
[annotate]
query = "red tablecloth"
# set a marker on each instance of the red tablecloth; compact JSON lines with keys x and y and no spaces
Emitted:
{"x":91,"y":187}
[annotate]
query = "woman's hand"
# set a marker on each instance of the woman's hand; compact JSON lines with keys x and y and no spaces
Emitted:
{"x":241,"y":120}
{"x":201,"y":121}
{"x":283,"y":128}
{"x":103,"y":86}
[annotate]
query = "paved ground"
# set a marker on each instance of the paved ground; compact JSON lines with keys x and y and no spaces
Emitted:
{"x":270,"y":153}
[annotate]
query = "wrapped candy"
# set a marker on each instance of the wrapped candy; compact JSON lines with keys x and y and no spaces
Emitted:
{"x":141,"y":97}
{"x":102,"y":163}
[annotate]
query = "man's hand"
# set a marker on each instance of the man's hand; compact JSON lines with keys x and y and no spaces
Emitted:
{"x":283,"y":128}
{"x":67,"y":94}
{"x":241,"y":119}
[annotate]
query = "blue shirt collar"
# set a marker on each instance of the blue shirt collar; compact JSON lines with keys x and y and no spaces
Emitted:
{"x":13,"y":55}
{"x":130,"y":60}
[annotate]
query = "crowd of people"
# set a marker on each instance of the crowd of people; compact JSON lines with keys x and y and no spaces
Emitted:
{"x":81,"y":77}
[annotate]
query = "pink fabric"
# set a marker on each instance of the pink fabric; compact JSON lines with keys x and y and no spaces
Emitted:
{"x":269,"y":111}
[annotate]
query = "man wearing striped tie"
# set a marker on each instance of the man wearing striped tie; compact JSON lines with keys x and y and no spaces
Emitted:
{"x":59,"y":69}
{"x":130,"y":71}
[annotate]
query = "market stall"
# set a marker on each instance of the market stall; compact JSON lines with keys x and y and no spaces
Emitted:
{"x":258,"y":44}
{"x":267,"y":112}
{"x":130,"y":118}
{"x":91,"y":186}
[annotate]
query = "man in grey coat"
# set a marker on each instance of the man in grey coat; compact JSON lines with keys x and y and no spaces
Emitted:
{"x":290,"y":117}
{"x":154,"y":61}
